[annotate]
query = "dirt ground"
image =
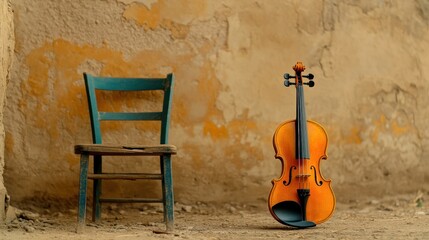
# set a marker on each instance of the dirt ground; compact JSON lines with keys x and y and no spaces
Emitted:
{"x":400,"y":217}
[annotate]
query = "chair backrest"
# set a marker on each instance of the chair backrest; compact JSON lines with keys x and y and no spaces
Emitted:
{"x":128,"y":84}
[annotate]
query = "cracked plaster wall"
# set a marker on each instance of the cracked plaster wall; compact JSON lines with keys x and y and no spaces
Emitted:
{"x":6,"y":50}
{"x":229,"y":57}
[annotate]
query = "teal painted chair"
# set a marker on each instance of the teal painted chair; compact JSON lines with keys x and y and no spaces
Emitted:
{"x":97,"y":150}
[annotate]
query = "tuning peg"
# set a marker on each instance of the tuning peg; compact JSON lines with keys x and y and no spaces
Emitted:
{"x":309,"y":76}
{"x":287,"y":76}
{"x":287,"y":83}
{"x":310,"y":83}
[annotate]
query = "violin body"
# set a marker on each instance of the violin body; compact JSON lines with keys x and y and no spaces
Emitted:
{"x":301,"y":197}
{"x":321,"y":203}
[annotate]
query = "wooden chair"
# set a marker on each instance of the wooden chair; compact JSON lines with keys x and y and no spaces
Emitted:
{"x":98,"y":149}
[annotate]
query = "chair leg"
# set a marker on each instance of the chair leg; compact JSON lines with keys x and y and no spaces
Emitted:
{"x":84,"y":159}
{"x":167,"y":192}
{"x":96,"y":205}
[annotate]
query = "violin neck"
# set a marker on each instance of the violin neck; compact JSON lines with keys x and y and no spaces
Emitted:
{"x":301,"y":135}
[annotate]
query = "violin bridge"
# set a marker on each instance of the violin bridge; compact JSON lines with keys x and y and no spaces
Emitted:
{"x":303,"y":175}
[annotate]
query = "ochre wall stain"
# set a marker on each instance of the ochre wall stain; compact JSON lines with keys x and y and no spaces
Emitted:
{"x":55,"y":88}
{"x":400,"y":129}
{"x":389,"y":127}
{"x":214,"y":131}
{"x":354,"y":135}
{"x":61,"y":59}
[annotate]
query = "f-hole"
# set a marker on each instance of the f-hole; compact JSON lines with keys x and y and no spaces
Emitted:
{"x":290,"y":176}
{"x":315,"y":176}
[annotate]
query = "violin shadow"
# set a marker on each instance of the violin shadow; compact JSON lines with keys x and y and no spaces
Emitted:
{"x":276,"y":228}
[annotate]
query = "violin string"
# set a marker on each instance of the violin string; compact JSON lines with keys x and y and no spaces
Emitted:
{"x":301,"y":136}
{"x":301,"y":128}
{"x":304,"y":122}
{"x":303,"y":156}
{"x":298,"y":137}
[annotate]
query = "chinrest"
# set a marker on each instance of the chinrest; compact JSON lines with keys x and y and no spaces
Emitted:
{"x":290,"y":213}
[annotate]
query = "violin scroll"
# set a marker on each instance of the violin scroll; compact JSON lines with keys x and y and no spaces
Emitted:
{"x":298,"y":68}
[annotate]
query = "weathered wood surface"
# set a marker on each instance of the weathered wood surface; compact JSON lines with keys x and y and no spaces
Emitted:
{"x":126,"y":176}
{"x":102,"y":149}
{"x":131,"y":200}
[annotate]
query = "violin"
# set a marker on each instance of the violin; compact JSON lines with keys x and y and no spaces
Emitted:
{"x":301,"y":197}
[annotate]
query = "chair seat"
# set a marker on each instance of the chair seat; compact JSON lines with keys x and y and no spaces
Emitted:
{"x":124,"y":150}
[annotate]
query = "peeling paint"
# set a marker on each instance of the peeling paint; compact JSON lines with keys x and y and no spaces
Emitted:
{"x":180,"y":12}
{"x":147,"y":3}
